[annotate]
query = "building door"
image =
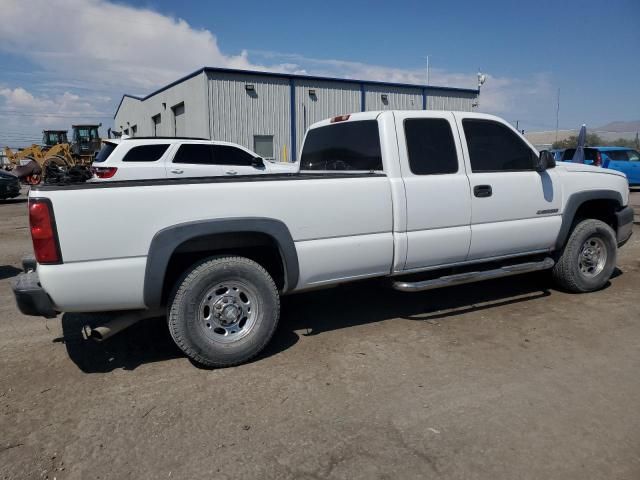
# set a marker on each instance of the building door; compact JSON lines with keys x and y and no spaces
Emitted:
{"x":155,"y":124}
{"x":178,"y":120}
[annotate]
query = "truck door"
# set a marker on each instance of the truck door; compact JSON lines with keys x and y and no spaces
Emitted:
{"x":515,"y":209}
{"x":437,"y":189}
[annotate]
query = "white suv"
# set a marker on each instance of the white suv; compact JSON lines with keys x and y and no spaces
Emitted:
{"x":138,"y":158}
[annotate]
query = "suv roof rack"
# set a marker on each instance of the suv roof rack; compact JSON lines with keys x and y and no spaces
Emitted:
{"x":167,"y":138}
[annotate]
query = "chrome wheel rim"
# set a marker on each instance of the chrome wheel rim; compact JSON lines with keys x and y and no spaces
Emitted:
{"x":593,"y":257}
{"x":228,"y":311}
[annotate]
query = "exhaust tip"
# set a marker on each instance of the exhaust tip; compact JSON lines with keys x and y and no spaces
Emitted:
{"x":89,"y":333}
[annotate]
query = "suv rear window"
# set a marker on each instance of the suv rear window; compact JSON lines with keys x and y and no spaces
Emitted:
{"x":589,"y":154}
{"x":105,"y":151}
{"x":343,"y":146}
{"x":146,"y":153}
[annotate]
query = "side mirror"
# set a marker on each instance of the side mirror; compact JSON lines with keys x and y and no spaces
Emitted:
{"x":545,"y":161}
{"x":257,"y":162}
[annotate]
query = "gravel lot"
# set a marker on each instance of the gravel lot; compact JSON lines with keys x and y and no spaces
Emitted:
{"x":507,"y":379}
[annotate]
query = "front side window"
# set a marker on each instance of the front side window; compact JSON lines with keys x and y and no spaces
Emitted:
{"x":195,"y":153}
{"x":343,"y":146}
{"x":146,"y":153}
{"x":227,"y":155}
{"x":430,"y":146}
{"x":495,"y":148}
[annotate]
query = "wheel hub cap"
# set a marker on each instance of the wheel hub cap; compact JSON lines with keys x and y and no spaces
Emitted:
{"x":593,"y":257}
{"x":228,"y":311}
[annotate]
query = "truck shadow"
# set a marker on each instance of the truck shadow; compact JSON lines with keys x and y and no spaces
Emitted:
{"x":309,"y":314}
{"x":8,"y":271}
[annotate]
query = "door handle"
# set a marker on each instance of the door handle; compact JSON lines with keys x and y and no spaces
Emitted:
{"x":177,"y":170}
{"x":231,"y":172}
{"x":481,"y":191}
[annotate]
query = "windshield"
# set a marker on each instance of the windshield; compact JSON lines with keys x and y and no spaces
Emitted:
{"x":104,"y":152}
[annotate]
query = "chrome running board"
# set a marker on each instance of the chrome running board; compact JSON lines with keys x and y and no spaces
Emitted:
{"x":468,"y":277}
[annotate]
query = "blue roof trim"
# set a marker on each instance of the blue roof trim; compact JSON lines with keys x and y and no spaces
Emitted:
{"x":293,"y":76}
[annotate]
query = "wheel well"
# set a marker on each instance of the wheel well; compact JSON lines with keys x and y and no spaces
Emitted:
{"x":259,"y":247}
{"x":600,"y":209}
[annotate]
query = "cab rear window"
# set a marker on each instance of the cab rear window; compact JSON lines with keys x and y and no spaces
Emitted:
{"x":343,"y":146}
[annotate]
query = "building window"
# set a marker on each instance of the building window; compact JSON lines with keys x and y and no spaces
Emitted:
{"x":155,"y":124}
{"x":178,"y":120}
{"x":263,"y":146}
{"x":125,"y":131}
{"x":134,"y":130}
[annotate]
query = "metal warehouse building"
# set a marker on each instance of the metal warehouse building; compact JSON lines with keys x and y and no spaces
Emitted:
{"x":269,"y":112}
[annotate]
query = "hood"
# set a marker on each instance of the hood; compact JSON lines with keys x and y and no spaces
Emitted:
{"x":581,"y":167}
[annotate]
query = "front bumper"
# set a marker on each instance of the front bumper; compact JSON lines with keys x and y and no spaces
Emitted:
{"x":30,"y":296}
{"x":625,"y":225}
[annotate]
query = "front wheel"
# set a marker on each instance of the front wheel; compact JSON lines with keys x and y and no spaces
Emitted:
{"x":224,"y":311}
{"x":588,"y":258}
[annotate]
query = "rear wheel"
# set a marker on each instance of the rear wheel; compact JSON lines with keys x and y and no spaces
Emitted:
{"x":588,"y":258}
{"x":224,"y":311}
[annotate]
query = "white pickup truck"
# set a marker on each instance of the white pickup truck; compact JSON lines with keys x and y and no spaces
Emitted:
{"x":428,"y":199}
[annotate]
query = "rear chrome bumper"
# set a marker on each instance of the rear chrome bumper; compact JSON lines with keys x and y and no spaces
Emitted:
{"x":30,"y":296}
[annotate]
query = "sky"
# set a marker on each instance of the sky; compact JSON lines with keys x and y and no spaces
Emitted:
{"x":71,"y":63}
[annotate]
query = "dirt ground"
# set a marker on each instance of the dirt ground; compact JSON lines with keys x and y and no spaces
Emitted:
{"x":507,"y":379}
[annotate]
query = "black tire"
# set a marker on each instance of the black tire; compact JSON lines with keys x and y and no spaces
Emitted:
{"x":206,"y":322}
{"x":576,"y":273}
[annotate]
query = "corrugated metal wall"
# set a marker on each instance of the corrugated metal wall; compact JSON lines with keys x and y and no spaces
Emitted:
{"x":398,"y":98}
{"x":191,"y":92}
{"x":236,"y":115}
{"x":330,"y":99}
{"x":218,"y":106}
{"x":450,"y":100}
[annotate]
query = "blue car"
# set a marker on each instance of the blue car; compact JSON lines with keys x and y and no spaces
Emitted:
{"x":623,"y":159}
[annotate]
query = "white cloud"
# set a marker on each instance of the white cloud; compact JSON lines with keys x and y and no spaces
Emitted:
{"x":90,"y":52}
{"x":110,"y":44}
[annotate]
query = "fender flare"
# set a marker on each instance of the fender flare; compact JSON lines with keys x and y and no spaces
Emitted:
{"x":167,"y":240}
{"x":574,"y":202}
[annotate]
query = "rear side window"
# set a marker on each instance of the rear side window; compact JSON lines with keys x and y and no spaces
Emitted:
{"x":105,"y":151}
{"x":430,"y":146}
{"x":195,"y":153}
{"x":146,"y":153}
{"x":623,"y":155}
{"x":495,"y":148}
{"x":227,"y":155}
{"x":343,"y":146}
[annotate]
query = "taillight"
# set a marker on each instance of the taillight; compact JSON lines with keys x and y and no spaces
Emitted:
{"x":43,"y":232}
{"x":104,"y":172}
{"x":598,"y":162}
{"x":340,"y":118}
